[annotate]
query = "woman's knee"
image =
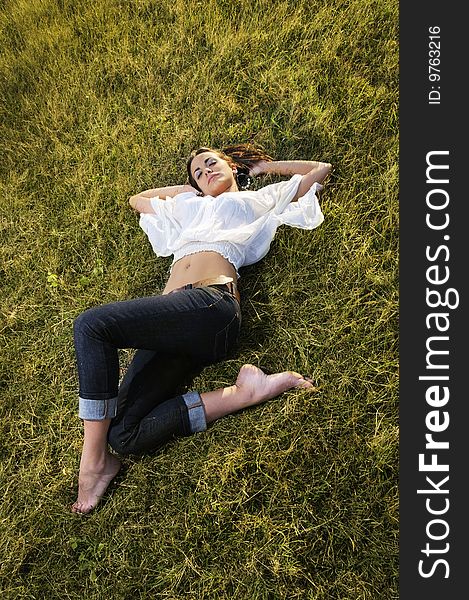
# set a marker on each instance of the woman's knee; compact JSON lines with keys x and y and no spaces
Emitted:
{"x":116,"y":442}
{"x":127,"y":443}
{"x":89,"y":323}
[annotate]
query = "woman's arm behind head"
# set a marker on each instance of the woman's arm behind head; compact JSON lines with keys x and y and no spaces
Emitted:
{"x":142,"y":202}
{"x":312,"y":172}
{"x":317,"y":174}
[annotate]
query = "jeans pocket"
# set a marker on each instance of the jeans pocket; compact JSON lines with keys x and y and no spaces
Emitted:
{"x":226,"y":339}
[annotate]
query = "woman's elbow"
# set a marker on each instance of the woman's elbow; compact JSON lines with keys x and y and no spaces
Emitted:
{"x":133,"y":201}
{"x":324,"y":172}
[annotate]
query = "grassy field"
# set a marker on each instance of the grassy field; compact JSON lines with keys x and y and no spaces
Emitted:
{"x":297,"y":498}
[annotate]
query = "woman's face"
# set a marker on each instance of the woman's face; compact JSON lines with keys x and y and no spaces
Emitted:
{"x":213,"y":174}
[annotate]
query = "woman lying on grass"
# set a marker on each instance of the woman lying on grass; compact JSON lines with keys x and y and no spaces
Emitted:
{"x":213,"y":226}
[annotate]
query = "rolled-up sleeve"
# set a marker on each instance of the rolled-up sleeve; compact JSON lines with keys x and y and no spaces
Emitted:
{"x":274,"y":197}
{"x":305,"y":213}
{"x":161,"y":227}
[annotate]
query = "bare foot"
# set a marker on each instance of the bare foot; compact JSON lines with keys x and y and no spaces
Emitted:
{"x":258,"y":387}
{"x":93,"y":481}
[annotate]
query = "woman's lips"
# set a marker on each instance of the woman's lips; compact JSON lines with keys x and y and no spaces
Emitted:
{"x":210,"y":177}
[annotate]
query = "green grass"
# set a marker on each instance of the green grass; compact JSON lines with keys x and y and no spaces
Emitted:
{"x":297,"y":498}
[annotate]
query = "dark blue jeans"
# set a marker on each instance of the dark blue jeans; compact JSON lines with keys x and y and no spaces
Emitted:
{"x":175,"y":335}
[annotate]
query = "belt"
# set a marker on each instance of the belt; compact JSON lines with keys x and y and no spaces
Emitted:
{"x":222,"y":282}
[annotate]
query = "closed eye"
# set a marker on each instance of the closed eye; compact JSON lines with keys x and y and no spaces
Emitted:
{"x":208,"y":162}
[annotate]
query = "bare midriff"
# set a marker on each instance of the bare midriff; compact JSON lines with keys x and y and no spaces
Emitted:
{"x":196,"y":267}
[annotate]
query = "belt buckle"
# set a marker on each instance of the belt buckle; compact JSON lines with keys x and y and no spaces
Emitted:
{"x":220,"y":280}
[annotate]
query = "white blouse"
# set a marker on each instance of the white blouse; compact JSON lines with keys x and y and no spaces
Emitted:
{"x":238,"y":225}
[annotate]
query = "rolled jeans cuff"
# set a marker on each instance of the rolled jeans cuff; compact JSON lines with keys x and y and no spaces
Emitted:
{"x":97,"y":410}
{"x":196,"y":411}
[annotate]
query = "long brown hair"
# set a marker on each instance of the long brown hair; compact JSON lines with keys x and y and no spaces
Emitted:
{"x":241,"y":156}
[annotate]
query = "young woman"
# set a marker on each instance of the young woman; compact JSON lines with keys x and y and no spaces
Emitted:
{"x":212,"y":226}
